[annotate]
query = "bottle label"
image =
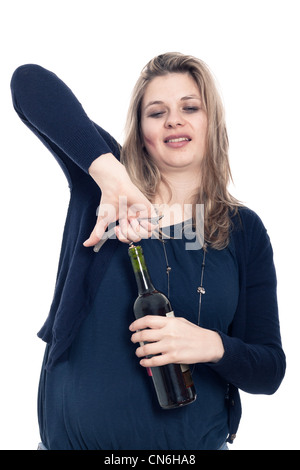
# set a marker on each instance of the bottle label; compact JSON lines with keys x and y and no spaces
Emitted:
{"x":184,"y":367}
{"x":170,"y":314}
{"x":187,"y":376}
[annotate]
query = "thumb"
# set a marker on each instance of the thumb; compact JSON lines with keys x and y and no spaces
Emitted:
{"x":96,"y":234}
{"x":92,"y":240}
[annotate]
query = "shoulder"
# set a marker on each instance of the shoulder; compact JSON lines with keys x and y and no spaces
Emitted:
{"x":248,"y":222}
{"x":27,"y":72}
{"x":249,"y":232}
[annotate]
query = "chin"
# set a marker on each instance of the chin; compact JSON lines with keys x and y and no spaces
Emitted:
{"x":180,"y":162}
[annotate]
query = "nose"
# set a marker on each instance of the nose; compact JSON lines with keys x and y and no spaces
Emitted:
{"x":174,"y":119}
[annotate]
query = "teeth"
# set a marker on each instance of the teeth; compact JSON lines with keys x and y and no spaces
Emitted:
{"x":181,"y":139}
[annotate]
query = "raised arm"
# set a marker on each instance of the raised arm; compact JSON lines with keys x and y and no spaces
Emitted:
{"x":51,"y":110}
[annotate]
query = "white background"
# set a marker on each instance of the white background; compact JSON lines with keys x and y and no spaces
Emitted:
{"x":98,"y":48}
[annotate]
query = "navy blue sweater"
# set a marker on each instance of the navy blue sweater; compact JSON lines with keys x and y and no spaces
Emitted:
{"x":254,"y":360}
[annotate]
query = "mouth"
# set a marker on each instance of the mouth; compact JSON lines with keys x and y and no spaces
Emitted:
{"x":176,"y":139}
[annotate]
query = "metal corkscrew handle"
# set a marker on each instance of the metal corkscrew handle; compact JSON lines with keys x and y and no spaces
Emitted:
{"x":111,"y":232}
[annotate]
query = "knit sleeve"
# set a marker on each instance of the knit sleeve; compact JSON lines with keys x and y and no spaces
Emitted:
{"x":254,"y":360}
{"x":51,"y":110}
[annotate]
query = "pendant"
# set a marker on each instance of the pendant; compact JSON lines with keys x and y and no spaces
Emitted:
{"x":201,"y":290}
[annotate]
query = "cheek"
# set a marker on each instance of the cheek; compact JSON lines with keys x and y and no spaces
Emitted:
{"x":149,"y":138}
{"x":149,"y":142}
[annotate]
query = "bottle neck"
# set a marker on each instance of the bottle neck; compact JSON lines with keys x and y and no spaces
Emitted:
{"x":142,"y":276}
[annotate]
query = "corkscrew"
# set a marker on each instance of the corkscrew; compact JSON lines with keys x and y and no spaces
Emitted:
{"x":111,"y":232}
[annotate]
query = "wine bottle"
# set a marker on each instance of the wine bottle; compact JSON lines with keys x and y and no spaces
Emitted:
{"x":173,"y":383}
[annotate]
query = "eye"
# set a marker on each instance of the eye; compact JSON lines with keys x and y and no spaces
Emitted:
{"x":157,"y":114}
{"x":191,"y":109}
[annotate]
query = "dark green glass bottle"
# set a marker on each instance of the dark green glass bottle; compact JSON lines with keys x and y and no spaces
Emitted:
{"x":173,"y":383}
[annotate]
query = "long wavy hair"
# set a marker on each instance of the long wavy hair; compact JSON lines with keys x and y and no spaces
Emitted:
{"x":219,"y":205}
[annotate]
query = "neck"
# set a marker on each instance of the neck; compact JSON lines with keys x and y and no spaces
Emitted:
{"x":175,"y":197}
{"x":183,"y":185}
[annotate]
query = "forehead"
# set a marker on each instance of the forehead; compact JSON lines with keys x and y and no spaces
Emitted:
{"x":169,"y":87}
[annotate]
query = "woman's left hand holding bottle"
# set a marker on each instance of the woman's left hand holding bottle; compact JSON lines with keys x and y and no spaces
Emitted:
{"x":120,"y":201}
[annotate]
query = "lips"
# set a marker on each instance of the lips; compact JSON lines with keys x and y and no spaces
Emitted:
{"x":177,"y":139}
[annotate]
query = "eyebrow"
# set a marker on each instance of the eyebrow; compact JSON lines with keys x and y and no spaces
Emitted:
{"x":184,"y":98}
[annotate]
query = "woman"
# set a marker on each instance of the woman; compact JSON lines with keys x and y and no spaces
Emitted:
{"x":93,"y":394}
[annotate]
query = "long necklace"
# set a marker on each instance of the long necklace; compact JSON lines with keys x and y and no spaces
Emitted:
{"x":200,"y":289}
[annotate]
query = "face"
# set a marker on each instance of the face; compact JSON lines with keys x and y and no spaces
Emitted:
{"x":173,"y":123}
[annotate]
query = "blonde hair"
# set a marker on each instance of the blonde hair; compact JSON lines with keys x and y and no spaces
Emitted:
{"x":219,"y":205}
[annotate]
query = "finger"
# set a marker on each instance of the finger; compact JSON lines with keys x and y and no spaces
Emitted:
{"x":125,"y":238}
{"x":98,"y":232}
{"x":144,"y":210}
{"x":106,"y":214}
{"x":128,"y":232}
{"x":149,"y":321}
{"x":92,"y":240}
{"x":150,"y":349}
{"x":149,"y":224}
{"x":101,"y":226}
{"x":95,"y":236}
{"x":138,"y":229}
{"x":157,"y":360}
{"x":120,"y":235}
{"x":148,"y":335}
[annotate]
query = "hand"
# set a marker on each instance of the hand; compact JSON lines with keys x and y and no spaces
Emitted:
{"x":174,"y":340}
{"x":121,"y":201}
